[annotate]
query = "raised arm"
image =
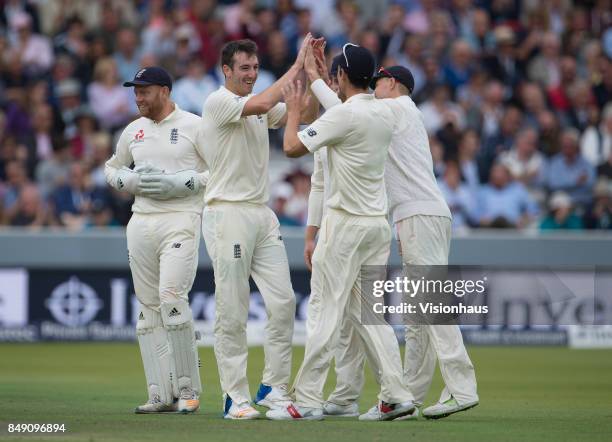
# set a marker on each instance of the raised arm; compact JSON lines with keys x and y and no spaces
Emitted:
{"x":262,"y":103}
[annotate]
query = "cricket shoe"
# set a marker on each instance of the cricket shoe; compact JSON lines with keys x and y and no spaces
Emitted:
{"x":155,"y":405}
{"x":189,"y":401}
{"x":409,"y":417}
{"x":384,"y":411}
{"x":444,"y":409}
{"x":272,"y":397}
{"x":294,"y":413}
{"x":241,"y":411}
{"x":331,"y":409}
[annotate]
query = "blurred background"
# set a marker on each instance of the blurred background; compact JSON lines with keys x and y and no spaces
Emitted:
{"x":516,"y":97}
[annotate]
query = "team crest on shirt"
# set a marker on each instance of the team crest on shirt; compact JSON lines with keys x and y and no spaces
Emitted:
{"x":174,"y":136}
{"x":139,"y":137}
{"x":311,"y":132}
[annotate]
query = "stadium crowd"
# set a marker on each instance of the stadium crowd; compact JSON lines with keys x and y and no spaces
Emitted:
{"x":516,"y":97}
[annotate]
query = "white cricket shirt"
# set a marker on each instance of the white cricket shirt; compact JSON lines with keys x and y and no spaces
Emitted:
{"x":411,"y":184}
{"x":174,"y":144}
{"x":357,"y":134}
{"x":237,"y":148}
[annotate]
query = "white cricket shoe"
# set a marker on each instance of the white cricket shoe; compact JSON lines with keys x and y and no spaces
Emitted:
{"x":272,"y":397}
{"x":293,"y":412}
{"x":155,"y":405}
{"x":241,"y":411}
{"x":331,"y":409}
{"x":189,"y":401}
{"x":444,"y":409}
{"x":409,"y":417}
{"x":384,"y":411}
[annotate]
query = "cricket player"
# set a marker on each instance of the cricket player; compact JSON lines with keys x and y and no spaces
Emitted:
{"x":163,"y":235}
{"x":354,"y":233}
{"x":422,"y":221}
{"x":242,"y":233}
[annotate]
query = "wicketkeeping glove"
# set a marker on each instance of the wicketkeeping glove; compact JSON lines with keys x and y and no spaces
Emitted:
{"x":169,"y":185}
{"x":126,"y":180}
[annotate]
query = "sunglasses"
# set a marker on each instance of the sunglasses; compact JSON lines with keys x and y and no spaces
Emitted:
{"x":385,"y":72}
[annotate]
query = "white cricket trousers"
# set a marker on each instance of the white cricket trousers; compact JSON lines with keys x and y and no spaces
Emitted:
{"x":243,"y":240}
{"x":425,"y":240}
{"x":163,"y":255}
{"x":346,"y":243}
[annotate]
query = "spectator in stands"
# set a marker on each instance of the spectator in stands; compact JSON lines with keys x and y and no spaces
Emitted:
{"x":599,"y":214}
{"x":277,"y":58}
{"x":548,"y":125}
{"x":492,"y":108}
{"x":127,"y":55}
{"x":596,"y":141}
{"x":68,"y":93}
{"x":440,"y":110}
{"x":109,"y":100}
{"x":605,"y":169}
{"x":86,"y":125}
{"x":34,"y":50}
{"x":72,"y":201}
{"x":557,"y":95}
{"x":468,"y":149}
{"x":500,"y":141}
{"x":281,"y":194}
{"x":30,"y":211}
{"x":545,"y":68}
{"x":53,"y":172}
{"x":297,"y":205}
{"x":502,"y":64}
{"x":525,"y":164}
{"x":478,"y":34}
{"x":458,"y":70}
{"x":16,"y":180}
{"x":433,"y":79}
{"x":580,"y":113}
{"x":190,"y":91}
{"x":569,"y":171}
{"x":561,"y":214}
{"x":504,"y":203}
{"x":412,"y":58}
{"x":460,"y":199}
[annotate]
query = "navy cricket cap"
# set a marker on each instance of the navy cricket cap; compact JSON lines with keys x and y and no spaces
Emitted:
{"x":335,"y":64}
{"x":400,"y":73}
{"x":358,"y":62}
{"x":151,"y":75}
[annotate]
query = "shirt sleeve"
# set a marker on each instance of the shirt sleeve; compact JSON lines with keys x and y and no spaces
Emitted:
{"x":317,"y":191}
{"x":328,"y":130}
{"x":224,"y":108}
{"x":199,"y":142}
{"x":276,"y":114}
{"x":121,"y":158}
{"x":324,"y":94}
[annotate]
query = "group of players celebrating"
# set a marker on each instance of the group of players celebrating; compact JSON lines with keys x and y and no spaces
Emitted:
{"x":372,"y":160}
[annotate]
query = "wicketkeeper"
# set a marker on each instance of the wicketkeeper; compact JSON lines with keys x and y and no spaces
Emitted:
{"x":163,"y":235}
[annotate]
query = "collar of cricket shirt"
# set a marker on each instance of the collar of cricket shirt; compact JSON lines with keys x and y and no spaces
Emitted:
{"x":360,"y":96}
{"x":170,"y":116}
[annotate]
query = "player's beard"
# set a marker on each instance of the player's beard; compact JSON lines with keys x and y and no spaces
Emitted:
{"x":152,"y":109}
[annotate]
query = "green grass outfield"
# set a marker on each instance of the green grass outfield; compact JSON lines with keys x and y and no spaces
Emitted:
{"x":546,"y":394}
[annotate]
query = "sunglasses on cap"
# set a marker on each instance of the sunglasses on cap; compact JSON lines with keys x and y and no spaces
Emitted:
{"x":383,"y":72}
